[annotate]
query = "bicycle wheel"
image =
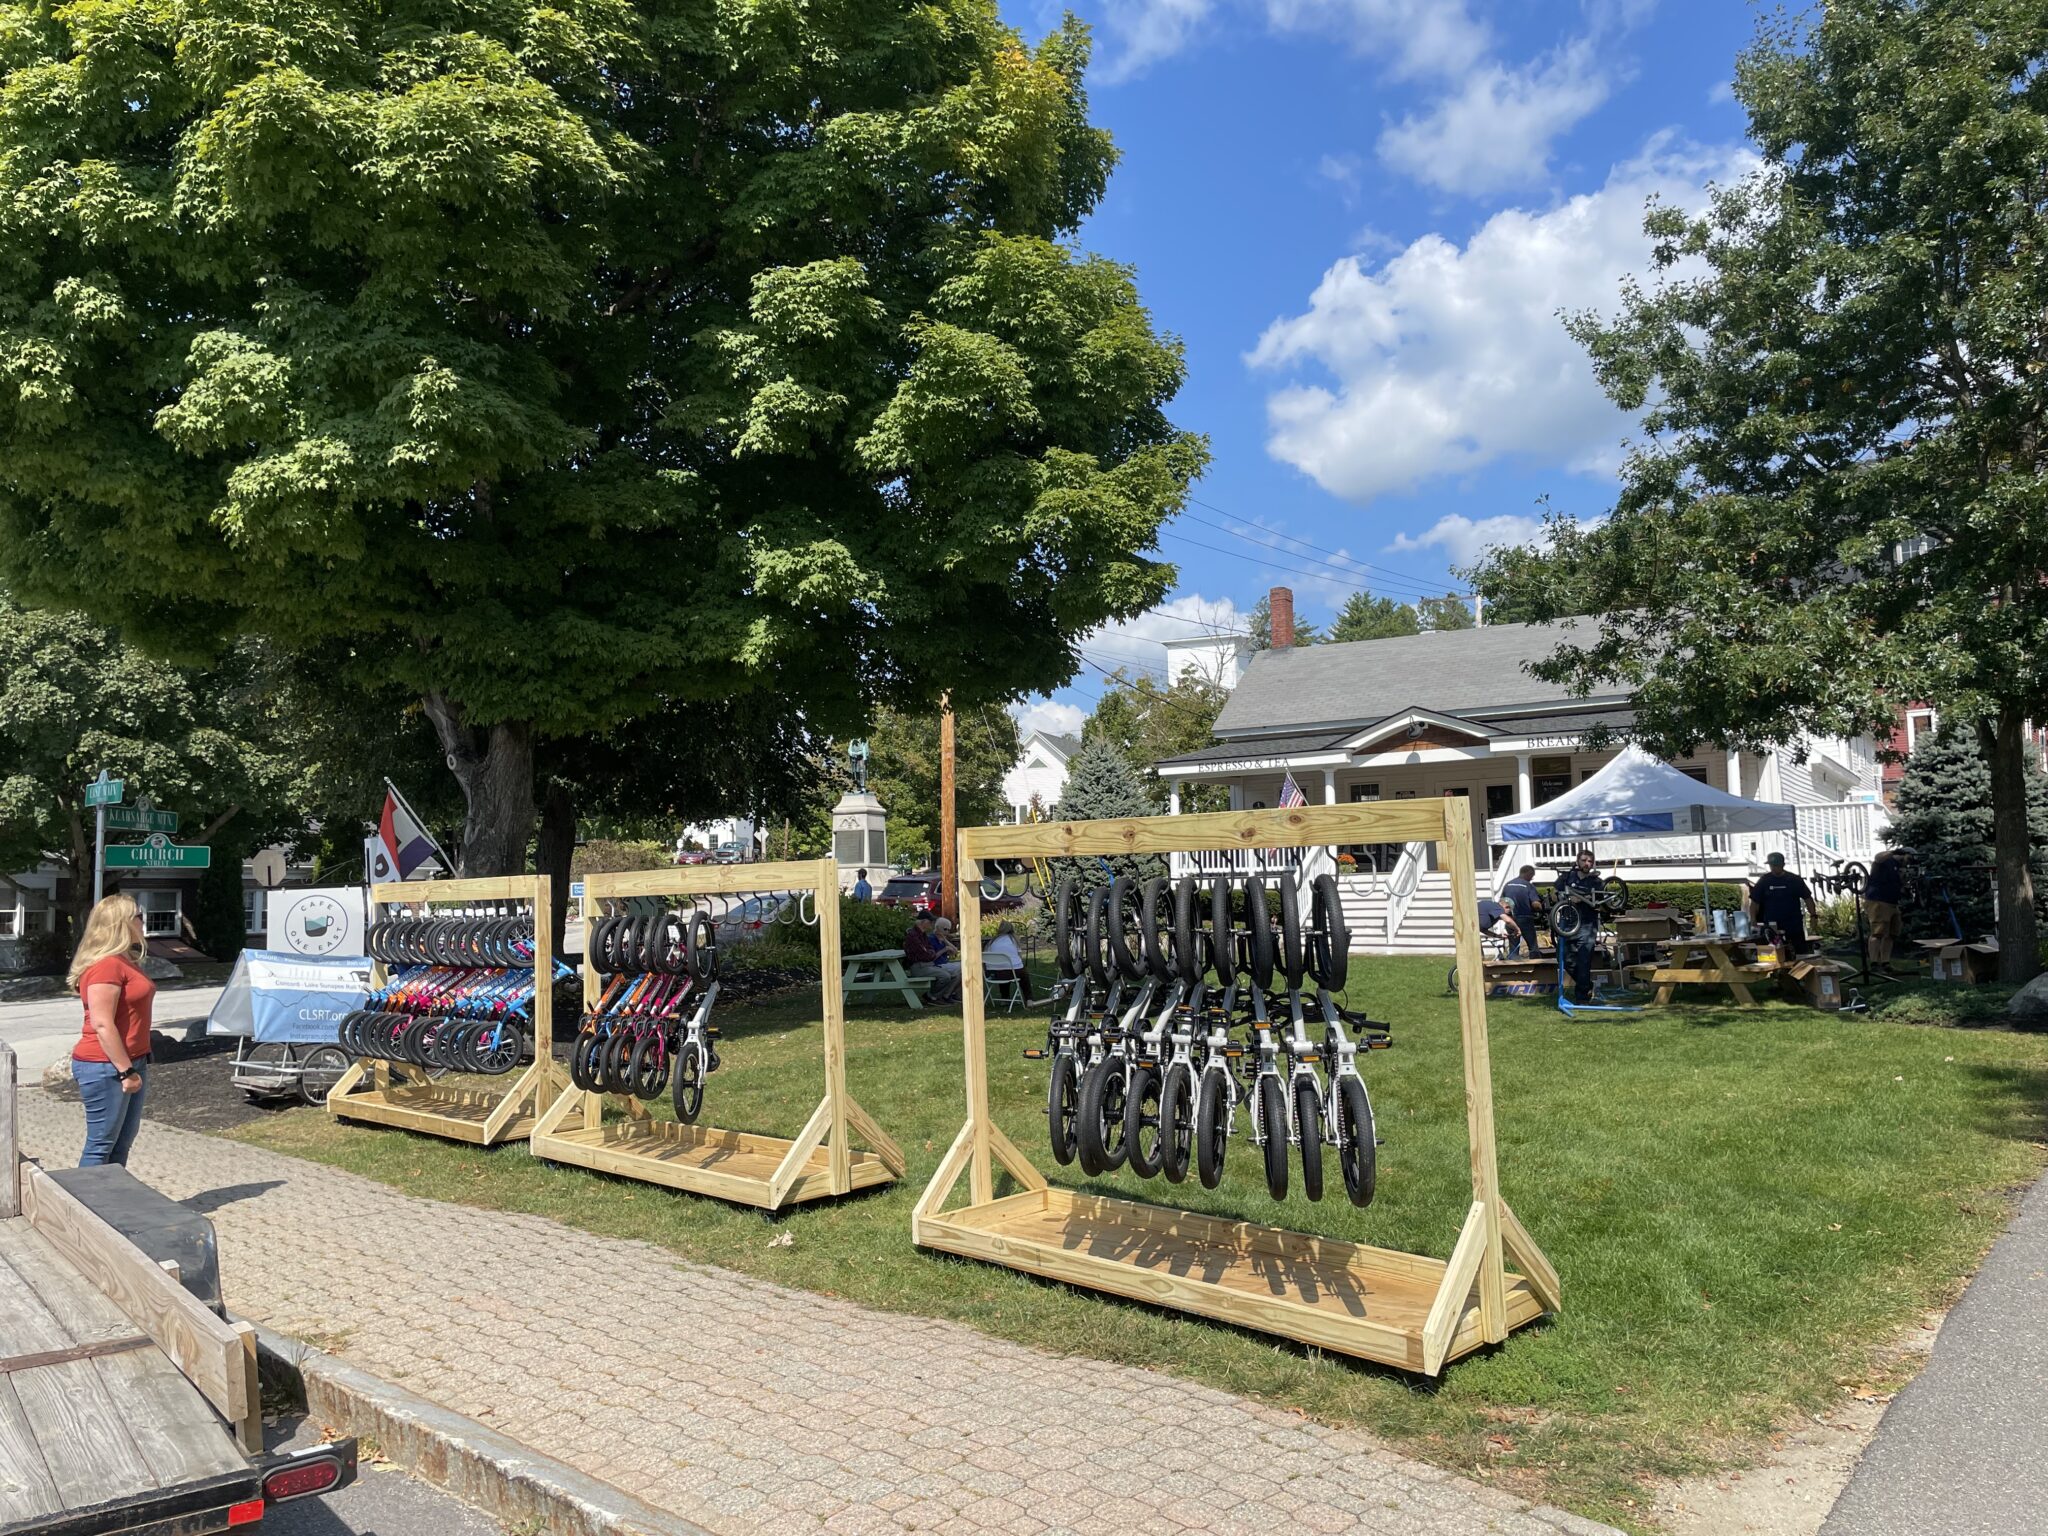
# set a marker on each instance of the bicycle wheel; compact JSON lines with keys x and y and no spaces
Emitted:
{"x":1293,"y":953}
{"x":1176,"y":1121}
{"x":1258,"y":925}
{"x":1308,"y":1110}
{"x":1358,"y":1157}
{"x":1273,"y":1117}
{"x":1100,"y":1123}
{"x":686,"y":1082}
{"x":1063,"y":1105}
{"x":498,"y":1050}
{"x":1189,"y":954}
{"x":1212,"y":1128}
{"x":267,"y":1071}
{"x":582,"y":1054}
{"x":1095,"y":947}
{"x":1143,"y":1120}
{"x":1451,"y":981}
{"x":1330,"y":940}
{"x":1222,"y":937}
{"x":1067,"y":925}
{"x":611,"y":1061}
{"x":1155,"y":926}
{"x":320,"y":1071}
{"x":647,"y":1073}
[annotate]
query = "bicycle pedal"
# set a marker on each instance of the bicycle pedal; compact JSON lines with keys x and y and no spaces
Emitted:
{"x":1033,"y":1053}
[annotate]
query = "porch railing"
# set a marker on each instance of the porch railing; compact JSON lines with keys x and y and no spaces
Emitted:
{"x":1236,"y":862}
{"x":1403,"y":883}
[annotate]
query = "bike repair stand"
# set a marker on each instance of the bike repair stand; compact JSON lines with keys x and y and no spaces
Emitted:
{"x":1570,"y":1009}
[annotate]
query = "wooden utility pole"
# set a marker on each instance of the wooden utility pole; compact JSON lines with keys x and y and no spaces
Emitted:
{"x":949,"y":897}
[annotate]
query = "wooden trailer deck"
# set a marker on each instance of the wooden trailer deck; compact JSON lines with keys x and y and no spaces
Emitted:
{"x":91,"y":1410}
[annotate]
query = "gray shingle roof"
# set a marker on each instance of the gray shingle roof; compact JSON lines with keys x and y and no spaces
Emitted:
{"x":1066,"y":746}
{"x":1263,"y":746}
{"x":1458,"y":671}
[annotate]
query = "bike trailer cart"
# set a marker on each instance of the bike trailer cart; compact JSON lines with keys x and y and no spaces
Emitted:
{"x":128,"y":1402}
{"x":1399,"y":1309}
{"x":472,"y":991}
{"x":650,"y":979}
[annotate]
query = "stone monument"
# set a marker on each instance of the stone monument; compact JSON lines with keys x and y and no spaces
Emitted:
{"x":860,"y":831}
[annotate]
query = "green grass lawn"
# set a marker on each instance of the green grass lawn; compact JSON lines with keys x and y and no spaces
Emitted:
{"x":1743,"y":1207}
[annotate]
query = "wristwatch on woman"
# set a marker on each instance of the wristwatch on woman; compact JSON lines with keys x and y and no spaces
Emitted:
{"x":128,"y":1072}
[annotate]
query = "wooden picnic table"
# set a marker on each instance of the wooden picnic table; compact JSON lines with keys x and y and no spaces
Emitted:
{"x":878,"y":971}
{"x":1710,"y":961}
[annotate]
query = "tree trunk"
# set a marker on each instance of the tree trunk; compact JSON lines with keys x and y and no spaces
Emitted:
{"x":556,"y":851}
{"x":2004,"y":745}
{"x":494,"y":766}
{"x":82,"y":851}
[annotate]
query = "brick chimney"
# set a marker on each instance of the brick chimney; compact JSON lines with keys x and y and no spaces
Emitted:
{"x":1281,"y":621}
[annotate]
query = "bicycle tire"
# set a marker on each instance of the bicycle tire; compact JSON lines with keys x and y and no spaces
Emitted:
{"x":703,"y":941}
{"x":1063,"y":1106}
{"x":1212,"y":1128}
{"x":1066,"y":931}
{"x":647,"y":1072}
{"x":686,"y":1082}
{"x":1330,"y":940}
{"x":1096,"y":956}
{"x":320,"y":1071}
{"x":1222,"y":937}
{"x":611,"y":1062}
{"x":581,"y":1051}
{"x":1176,"y":1122}
{"x":1358,"y":1157}
{"x":1188,"y":958}
{"x":1293,"y":953}
{"x":1155,"y":921}
{"x":1100,"y":1123}
{"x":1273,"y":1113}
{"x":1614,"y":894}
{"x":507,"y":1044}
{"x":1258,"y":926}
{"x":1451,"y":980}
{"x":1143,"y":1090}
{"x":1308,"y":1110}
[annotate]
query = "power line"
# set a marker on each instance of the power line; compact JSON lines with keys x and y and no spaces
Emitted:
{"x":1274,"y":565}
{"x":1293,"y":538}
{"x":1358,"y":581}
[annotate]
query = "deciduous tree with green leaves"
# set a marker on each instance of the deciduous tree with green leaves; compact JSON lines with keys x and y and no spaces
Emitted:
{"x":559,"y":362}
{"x":903,"y":771}
{"x":1146,"y":721}
{"x":1839,"y":505}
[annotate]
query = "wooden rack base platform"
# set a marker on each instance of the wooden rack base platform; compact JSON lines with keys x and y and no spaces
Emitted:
{"x":1399,"y":1309}
{"x":745,"y":1167}
{"x":741,"y":1166}
{"x":404,"y":1097}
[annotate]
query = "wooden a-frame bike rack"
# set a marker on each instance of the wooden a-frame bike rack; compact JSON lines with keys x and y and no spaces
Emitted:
{"x":741,"y":1166}
{"x":379,"y":1092}
{"x":1397,"y":1308}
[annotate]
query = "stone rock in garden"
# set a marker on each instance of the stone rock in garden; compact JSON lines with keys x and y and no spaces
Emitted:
{"x":158,"y":969}
{"x":2031,"y":1001}
{"x":57,"y":1080}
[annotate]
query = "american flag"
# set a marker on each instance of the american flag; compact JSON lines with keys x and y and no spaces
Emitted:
{"x":1291,"y":795}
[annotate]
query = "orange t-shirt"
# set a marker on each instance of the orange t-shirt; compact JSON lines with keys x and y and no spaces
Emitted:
{"x":131,"y":1011}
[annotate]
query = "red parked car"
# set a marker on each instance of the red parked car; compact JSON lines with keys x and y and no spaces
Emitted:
{"x":920,"y":892}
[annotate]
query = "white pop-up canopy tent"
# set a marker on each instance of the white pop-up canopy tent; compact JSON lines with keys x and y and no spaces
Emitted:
{"x":1638,"y":796}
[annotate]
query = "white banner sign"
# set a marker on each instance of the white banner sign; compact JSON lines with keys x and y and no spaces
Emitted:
{"x":324,"y":921}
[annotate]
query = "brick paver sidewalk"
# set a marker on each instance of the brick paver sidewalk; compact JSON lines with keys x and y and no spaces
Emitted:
{"x":748,"y":1407}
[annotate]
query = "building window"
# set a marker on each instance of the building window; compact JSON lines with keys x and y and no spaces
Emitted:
{"x":255,"y":918}
{"x":1919,"y":722}
{"x":1699,"y":774}
{"x":10,"y":922}
{"x":159,"y":912}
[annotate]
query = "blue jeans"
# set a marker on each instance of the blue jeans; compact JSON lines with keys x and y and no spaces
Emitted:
{"x":1578,"y":958}
{"x":111,"y":1117}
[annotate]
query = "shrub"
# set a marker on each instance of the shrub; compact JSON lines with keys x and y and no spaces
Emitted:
{"x":611,"y":856}
{"x":863,"y":927}
{"x":1943,"y":1004}
{"x":1684,"y":895}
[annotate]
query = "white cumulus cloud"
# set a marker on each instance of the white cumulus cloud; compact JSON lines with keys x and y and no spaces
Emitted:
{"x":1495,"y":128}
{"x":1048,"y":715}
{"x":1444,"y":358}
{"x":1146,"y":31}
{"x":1463,"y":540}
{"x":1417,"y":37}
{"x":1139,"y":645}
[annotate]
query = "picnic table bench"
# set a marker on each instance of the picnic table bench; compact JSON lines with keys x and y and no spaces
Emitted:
{"x":1706,"y":962}
{"x":879,"y":971}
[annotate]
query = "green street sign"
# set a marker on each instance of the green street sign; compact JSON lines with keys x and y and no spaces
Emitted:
{"x":158,"y":852}
{"x":130,"y":818}
{"x":106,"y":792}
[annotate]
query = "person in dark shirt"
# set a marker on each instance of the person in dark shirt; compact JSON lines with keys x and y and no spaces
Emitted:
{"x":1493,"y":918}
{"x":926,"y":955}
{"x":1882,"y":888}
{"x":1781,"y":899}
{"x":1524,"y":902}
{"x":1581,"y":887}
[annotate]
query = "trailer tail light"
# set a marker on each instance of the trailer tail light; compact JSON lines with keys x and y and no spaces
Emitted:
{"x":302,"y":1479}
{"x":248,"y":1512}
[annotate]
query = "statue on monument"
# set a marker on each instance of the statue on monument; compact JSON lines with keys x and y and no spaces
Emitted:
{"x":857,"y":761}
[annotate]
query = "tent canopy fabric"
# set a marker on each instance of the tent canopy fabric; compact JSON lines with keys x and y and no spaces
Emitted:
{"x":1637,"y":795}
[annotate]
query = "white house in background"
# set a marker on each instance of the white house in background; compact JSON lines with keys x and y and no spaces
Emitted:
{"x":1040,"y":773}
{"x":1453,"y":713}
{"x":1218,"y":659}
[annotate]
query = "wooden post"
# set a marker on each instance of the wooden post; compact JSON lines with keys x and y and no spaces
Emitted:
{"x":948,"y":820}
{"x":1457,"y":834}
{"x":974,"y":1032}
{"x":10,"y":1164}
{"x":834,"y":1001}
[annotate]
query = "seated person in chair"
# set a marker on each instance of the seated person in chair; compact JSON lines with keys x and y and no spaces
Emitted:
{"x":1002,"y":961}
{"x":927,"y":954}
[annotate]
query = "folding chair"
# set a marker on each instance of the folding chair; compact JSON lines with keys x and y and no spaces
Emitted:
{"x":1007,"y":990}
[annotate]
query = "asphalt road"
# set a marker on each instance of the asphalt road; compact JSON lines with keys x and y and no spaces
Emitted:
{"x":381,"y":1502}
{"x":1963,"y":1451}
{"x":42,"y":1032}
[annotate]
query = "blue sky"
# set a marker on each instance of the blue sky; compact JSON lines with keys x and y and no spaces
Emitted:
{"x":1362,"y":217}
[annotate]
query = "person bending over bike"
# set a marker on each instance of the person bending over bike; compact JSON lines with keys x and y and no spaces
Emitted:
{"x":1581,"y":887}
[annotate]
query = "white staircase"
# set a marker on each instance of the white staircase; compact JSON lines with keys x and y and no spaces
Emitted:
{"x":1425,"y":928}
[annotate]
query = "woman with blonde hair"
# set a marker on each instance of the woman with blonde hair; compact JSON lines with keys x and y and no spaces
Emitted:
{"x":110,"y":1063}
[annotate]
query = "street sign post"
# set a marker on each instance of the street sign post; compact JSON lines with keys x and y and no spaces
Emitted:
{"x":102,"y":792}
{"x":134,"y":818}
{"x":158,"y":852}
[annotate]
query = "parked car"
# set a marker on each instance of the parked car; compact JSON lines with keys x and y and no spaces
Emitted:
{"x":694,"y":856}
{"x":917,"y":891}
{"x":729,"y":853}
{"x":747,"y":919}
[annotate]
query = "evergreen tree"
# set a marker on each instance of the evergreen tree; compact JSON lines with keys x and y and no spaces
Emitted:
{"x":1943,"y":815}
{"x":1365,"y":617}
{"x":1146,"y":722}
{"x":1260,"y":627}
{"x":1447,"y":612}
{"x":1101,"y":786}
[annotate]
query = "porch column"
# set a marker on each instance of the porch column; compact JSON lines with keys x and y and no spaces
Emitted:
{"x":1329,"y":786}
{"x":1522,"y":789}
{"x":1236,"y":795}
{"x":1734,"y":772}
{"x":1173,"y":798}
